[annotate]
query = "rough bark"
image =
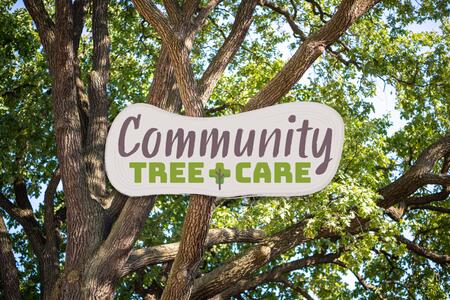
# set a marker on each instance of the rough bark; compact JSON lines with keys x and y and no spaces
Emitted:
{"x":104,"y":268}
{"x":85,"y":226}
{"x":420,"y":174}
{"x":196,"y":223}
{"x":225,"y":276}
{"x":9,"y":275}
{"x":98,"y":102}
{"x":50,"y":256}
{"x":164,"y":91}
{"x":191,"y":249}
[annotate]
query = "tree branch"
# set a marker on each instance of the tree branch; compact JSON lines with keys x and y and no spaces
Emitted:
{"x":317,"y":9}
{"x":441,"y":179}
{"x":203,"y":13}
{"x":104,"y":267}
{"x":98,"y":102}
{"x":164,"y":253}
{"x":233,"y":42}
{"x":437,"y":258}
{"x":190,"y":7}
{"x":409,"y":182}
{"x":26,"y":218}
{"x":179,"y":56}
{"x":164,"y":91}
{"x":49,"y":209}
{"x":290,"y":19}
{"x":244,"y":265}
{"x":9,"y":274}
{"x":173,"y":11}
{"x":440,"y":209}
{"x":348,"y":12}
{"x":79,"y":11}
{"x":191,"y":249}
{"x":276,"y":274}
{"x":44,"y":24}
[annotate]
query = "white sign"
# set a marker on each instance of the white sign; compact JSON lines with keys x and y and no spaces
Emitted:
{"x":289,"y":149}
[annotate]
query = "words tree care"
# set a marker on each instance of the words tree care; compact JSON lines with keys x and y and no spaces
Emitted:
{"x":285,"y":150}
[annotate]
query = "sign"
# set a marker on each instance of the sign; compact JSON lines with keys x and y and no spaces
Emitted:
{"x":289,"y":149}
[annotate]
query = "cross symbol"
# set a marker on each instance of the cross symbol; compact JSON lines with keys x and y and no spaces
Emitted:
{"x":219,"y":174}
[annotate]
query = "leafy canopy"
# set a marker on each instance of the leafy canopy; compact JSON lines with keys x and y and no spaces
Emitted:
{"x":380,"y":49}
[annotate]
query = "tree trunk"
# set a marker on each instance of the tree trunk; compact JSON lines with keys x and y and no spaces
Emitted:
{"x":9,"y":275}
{"x":190,"y":252}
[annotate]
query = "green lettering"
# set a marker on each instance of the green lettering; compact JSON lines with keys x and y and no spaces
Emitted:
{"x":138,"y":166}
{"x":157,"y":169}
{"x":301,"y":169}
{"x":195,"y":172}
{"x":282,"y":169}
{"x":239,"y":172}
{"x":262,"y":171}
{"x":176,"y":172}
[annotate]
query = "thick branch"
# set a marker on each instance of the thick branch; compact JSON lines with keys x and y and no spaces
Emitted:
{"x":20,"y":191}
{"x":276,"y":274}
{"x":173,"y":11}
{"x":437,"y":258}
{"x":9,"y":274}
{"x":203,"y":13}
{"x":104,"y":267}
{"x":164,"y":91}
{"x":190,"y":7}
{"x":243,"y":20}
{"x":244,"y":265}
{"x":79,"y":11}
{"x":164,"y":253}
{"x":192,"y":246}
{"x":179,"y":56}
{"x":416,"y":177}
{"x":26,"y":218}
{"x":348,"y":12}
{"x":44,"y":24}
{"x":422,"y":200}
{"x":98,"y":102}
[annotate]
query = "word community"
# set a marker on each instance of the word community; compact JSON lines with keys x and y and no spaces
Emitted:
{"x":286,"y":150}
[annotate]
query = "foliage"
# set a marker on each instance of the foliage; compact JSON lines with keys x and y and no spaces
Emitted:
{"x":379,"y":49}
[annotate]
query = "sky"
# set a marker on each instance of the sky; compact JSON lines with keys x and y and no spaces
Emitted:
{"x":383,"y":102}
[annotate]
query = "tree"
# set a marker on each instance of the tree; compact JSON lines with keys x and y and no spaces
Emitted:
{"x":68,"y":70}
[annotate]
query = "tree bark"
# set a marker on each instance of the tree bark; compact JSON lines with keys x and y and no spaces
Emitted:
{"x":9,"y":275}
{"x":190,"y":253}
{"x":85,"y":218}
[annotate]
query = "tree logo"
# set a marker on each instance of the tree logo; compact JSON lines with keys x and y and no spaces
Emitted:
{"x":219,"y":174}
